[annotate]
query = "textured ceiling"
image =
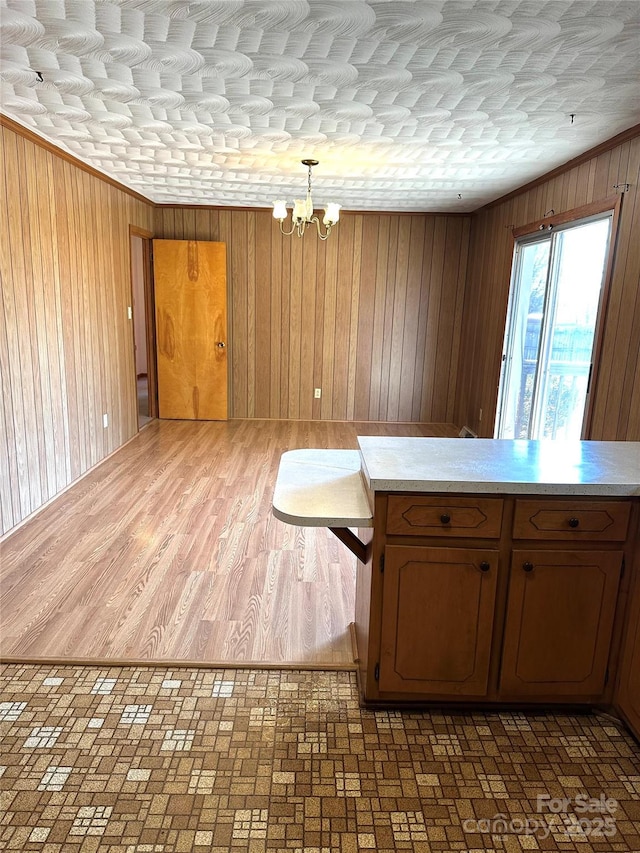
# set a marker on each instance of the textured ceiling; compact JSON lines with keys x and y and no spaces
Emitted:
{"x":407,"y":105}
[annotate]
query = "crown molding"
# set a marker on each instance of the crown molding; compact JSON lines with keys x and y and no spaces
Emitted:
{"x":348,"y":212}
{"x":607,"y":145}
{"x":626,"y":135}
{"x":29,"y":135}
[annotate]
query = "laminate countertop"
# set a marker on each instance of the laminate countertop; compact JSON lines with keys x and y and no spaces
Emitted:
{"x":334,"y":488}
{"x":484,"y":465}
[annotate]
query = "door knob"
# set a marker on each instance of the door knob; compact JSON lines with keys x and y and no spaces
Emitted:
{"x":221,"y":344}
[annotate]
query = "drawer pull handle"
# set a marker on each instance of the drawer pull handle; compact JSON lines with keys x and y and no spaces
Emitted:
{"x":574,"y":522}
{"x":528,"y":567}
{"x":484,"y":566}
{"x":445,"y":518}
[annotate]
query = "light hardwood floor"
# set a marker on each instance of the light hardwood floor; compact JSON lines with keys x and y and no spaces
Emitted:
{"x":169,"y":552}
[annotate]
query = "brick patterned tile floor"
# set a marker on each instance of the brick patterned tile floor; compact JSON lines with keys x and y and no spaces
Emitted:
{"x":150,"y":760}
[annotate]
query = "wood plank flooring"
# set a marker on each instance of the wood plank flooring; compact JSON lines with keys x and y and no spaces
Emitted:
{"x":169,"y":552}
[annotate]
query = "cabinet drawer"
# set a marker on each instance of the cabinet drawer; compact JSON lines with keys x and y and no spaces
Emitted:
{"x":571,"y":520}
{"x":479,"y":518}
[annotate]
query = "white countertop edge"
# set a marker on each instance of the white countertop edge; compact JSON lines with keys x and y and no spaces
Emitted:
{"x":621,"y":490}
{"x":324,"y":521}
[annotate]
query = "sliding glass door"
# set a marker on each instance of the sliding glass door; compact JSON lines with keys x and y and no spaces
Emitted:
{"x":551,"y":330}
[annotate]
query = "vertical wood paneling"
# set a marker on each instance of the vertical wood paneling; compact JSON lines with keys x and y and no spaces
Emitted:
{"x":415,"y":265}
{"x":251,"y":313}
{"x":356,"y":278}
{"x":398,"y":318}
{"x":379,"y":250}
{"x":285,"y":359}
{"x":448,"y":311}
{"x":344,"y":285}
{"x":329,"y":326}
{"x":66,"y":345}
{"x":372,"y":316}
{"x":456,"y":337}
{"x":623,"y":320}
{"x":295,"y":327}
{"x":262,"y":322}
{"x":616,"y":396}
{"x":436,"y":267}
{"x":274,"y":291}
{"x":319,"y":333}
{"x":366,"y":320}
{"x":240,"y":312}
{"x":307,"y":321}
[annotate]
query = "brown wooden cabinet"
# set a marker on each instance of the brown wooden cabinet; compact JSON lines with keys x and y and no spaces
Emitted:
{"x":627,"y":695}
{"x":540,"y":623}
{"x":560,"y":611}
{"x":437,"y":620}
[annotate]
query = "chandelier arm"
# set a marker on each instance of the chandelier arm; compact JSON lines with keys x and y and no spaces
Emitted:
{"x":287,"y":233}
{"x":320,"y":235}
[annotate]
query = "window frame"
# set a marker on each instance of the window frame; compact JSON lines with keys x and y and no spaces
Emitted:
{"x":610,"y":205}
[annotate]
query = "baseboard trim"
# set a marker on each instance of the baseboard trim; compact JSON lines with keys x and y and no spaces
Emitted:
{"x":170,"y":663}
{"x":70,"y":485}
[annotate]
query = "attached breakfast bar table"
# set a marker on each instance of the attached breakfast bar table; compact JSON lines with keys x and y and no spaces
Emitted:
{"x":491,"y":572}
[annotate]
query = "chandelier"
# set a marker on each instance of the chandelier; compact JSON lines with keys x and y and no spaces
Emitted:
{"x":302,"y":215}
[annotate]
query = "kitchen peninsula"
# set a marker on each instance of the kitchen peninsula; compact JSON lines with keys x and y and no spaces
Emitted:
{"x":491,"y":572}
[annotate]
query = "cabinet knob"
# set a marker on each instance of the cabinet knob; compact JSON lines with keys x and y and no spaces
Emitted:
{"x":484,"y":566}
{"x":528,"y":567}
{"x":445,"y":518}
{"x":574,"y":522}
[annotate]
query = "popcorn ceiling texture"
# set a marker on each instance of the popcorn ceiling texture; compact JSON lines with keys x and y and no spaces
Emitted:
{"x":129,"y":760}
{"x":405,"y":104}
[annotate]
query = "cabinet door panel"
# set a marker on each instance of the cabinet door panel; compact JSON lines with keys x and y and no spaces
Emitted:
{"x":437,"y":620}
{"x":627,"y":698}
{"x":560,"y":613}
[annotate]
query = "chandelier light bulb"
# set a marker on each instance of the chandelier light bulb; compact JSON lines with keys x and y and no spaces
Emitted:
{"x":331,"y":214}
{"x":280,"y":209}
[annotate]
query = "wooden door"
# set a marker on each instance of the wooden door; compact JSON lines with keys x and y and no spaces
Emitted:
{"x":437,"y":620}
{"x":627,"y":696}
{"x":191,"y":325}
{"x":560,"y":613}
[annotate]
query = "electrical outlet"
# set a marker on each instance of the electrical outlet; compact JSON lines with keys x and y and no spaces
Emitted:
{"x":105,"y":420}
{"x":317,"y":393}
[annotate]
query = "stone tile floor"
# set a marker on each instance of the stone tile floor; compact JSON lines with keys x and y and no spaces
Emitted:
{"x":149,"y":760}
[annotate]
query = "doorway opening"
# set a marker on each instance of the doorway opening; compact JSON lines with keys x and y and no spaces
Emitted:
{"x":556,"y":308}
{"x":143,"y":327}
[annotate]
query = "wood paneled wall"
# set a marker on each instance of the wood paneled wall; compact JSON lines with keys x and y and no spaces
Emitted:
{"x":66,"y":344}
{"x":372,"y":316}
{"x":616,"y":413}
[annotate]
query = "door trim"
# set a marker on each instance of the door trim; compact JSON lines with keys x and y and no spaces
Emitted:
{"x":149,"y":313}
